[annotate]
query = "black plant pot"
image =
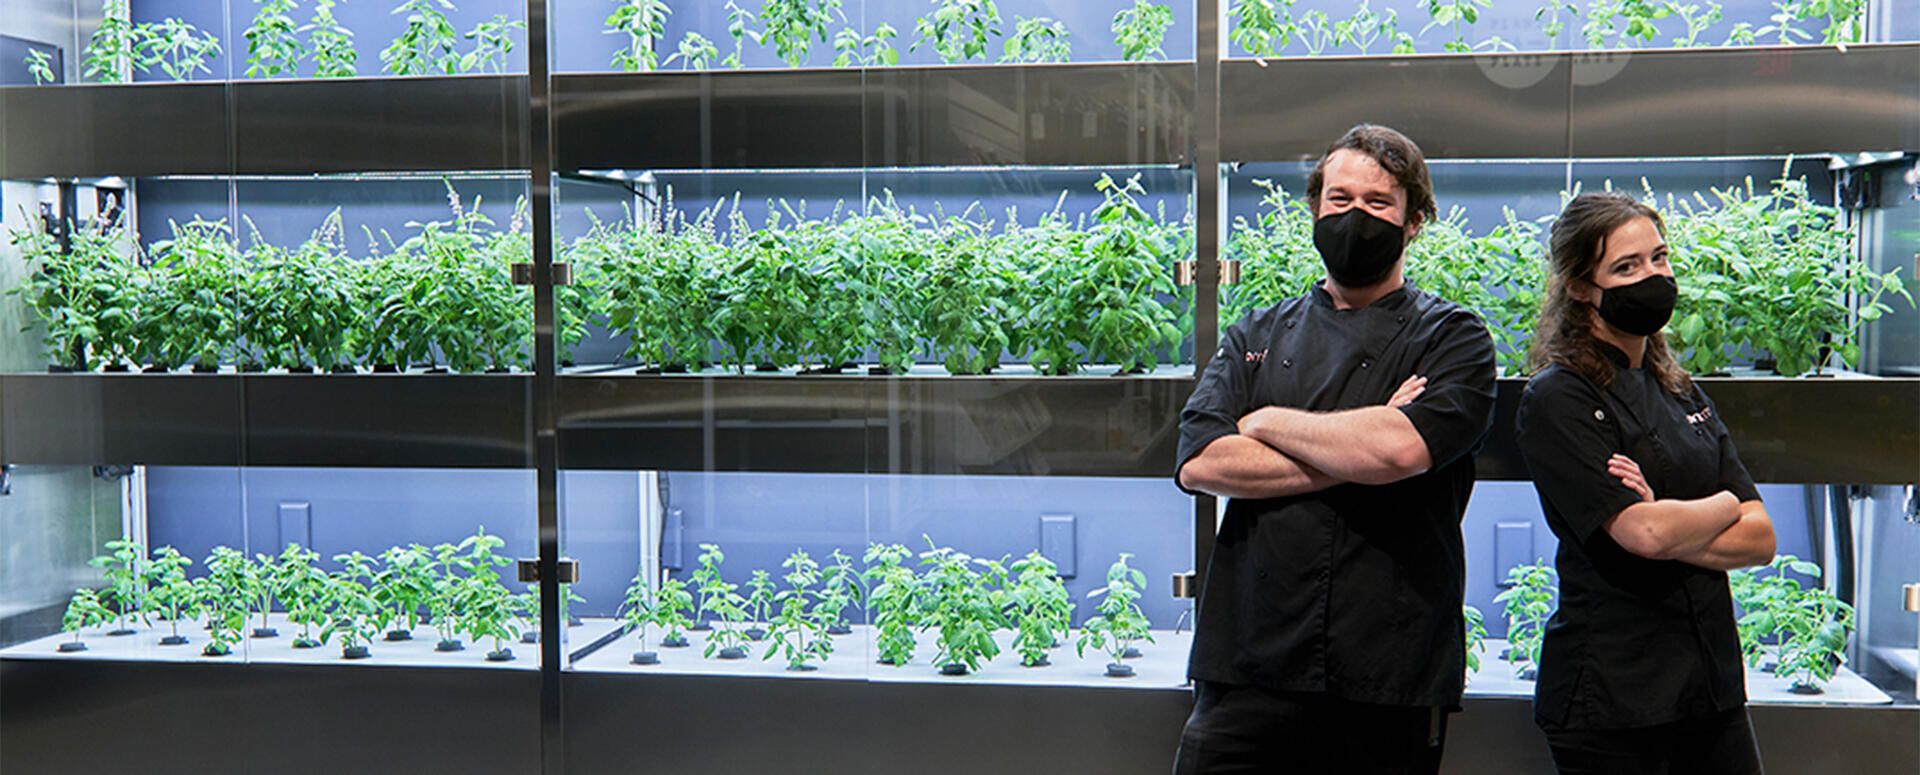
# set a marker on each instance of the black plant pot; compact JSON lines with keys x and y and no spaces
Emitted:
{"x":839,"y":629}
{"x":499,"y":370}
{"x":299,"y":369}
{"x":884,"y":661}
{"x":674,"y":642}
{"x":343,"y":370}
{"x":55,"y":368}
{"x":449,"y":645}
{"x":215,"y":650}
{"x":802,"y":668}
{"x":305,"y":643}
{"x":755,"y":634}
{"x":393,"y":635}
{"x":156,"y":368}
{"x":1117,"y":670}
{"x":530,"y":637}
{"x":702,"y":627}
{"x":355,"y":652}
{"x":646,"y":657}
{"x":174,"y":640}
{"x":647,"y":370}
{"x":115,"y":368}
{"x":503,"y":655}
{"x":385,"y":368}
{"x":122,"y":632}
{"x":1130,"y":653}
{"x":205,"y":368}
{"x":953,"y":669}
{"x":72,"y":646}
{"x":438,"y":370}
{"x":265,"y":632}
{"x":1800,"y":688}
{"x":1529,"y":674}
{"x":574,"y":621}
{"x":765,"y":367}
{"x":674,"y":368}
{"x":733,"y":652}
{"x":879,"y":371}
{"x":1041,"y":662}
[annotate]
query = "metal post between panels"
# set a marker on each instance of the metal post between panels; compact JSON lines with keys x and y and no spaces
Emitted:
{"x":545,"y":442}
{"x":1207,"y":237}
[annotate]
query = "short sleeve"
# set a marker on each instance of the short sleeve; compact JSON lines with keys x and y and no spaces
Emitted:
{"x":1218,"y":402}
{"x":1733,"y":473}
{"x":1455,"y":413}
{"x":1566,"y":438}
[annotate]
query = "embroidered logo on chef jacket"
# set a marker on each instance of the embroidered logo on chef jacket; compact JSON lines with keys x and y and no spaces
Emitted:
{"x":1256,"y":357}
{"x":1699,"y":417}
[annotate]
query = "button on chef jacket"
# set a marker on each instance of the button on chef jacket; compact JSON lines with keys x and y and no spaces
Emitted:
{"x":1353,"y":591}
{"x":1635,"y":642}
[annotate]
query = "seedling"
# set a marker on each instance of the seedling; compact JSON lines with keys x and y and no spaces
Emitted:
{"x":1817,"y":628}
{"x":759,"y":600}
{"x":265,"y":582}
{"x":1118,"y":621}
{"x":109,"y":55}
{"x":643,"y":22}
{"x":492,"y":43}
{"x":172,"y":592}
{"x":840,"y":586}
{"x":739,"y":29}
{"x":851,"y":48}
{"x":706,"y":581}
{"x":1528,"y":605}
{"x":491,"y":612}
{"x":1476,"y":635}
{"x":670,"y":604}
{"x":1141,"y":30}
{"x":721,"y":599}
{"x":125,"y":566}
{"x":1458,"y":14}
{"x":305,"y":593}
{"x":960,"y":30}
{"x":963,"y":606}
{"x":402,"y":587}
{"x":1039,"y":607}
{"x":792,"y":25}
{"x":800,"y":629}
{"x":444,"y":604}
{"x":1262,"y":28}
{"x":331,"y":44}
{"x":695,"y":52}
{"x":354,"y":609}
{"x":641,"y":609}
{"x":273,"y":42}
{"x":427,"y":45}
{"x":226,"y":595}
{"x":83,"y":610}
{"x":895,"y":602}
{"x":1038,"y":40}
{"x":176,"y":46}
{"x":40,"y":66}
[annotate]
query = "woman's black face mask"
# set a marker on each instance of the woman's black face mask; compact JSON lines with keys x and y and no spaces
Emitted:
{"x":1358,"y":248}
{"x":1640,"y":308}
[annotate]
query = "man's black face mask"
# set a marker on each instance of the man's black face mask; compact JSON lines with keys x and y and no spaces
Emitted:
{"x":1358,"y":248}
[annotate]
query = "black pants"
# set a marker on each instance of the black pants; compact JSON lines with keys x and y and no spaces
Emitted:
{"x":1246,"y":729}
{"x":1721,"y":744}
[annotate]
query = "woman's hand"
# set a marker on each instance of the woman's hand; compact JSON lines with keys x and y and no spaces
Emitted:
{"x":1630,"y":475}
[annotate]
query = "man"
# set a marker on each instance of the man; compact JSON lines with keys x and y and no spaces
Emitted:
{"x":1341,"y":426}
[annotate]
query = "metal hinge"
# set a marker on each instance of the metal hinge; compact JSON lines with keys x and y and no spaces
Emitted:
{"x":530,"y":571}
{"x":523,"y":274}
{"x":1186,"y":585}
{"x":1186,"y":272}
{"x":1913,"y":597}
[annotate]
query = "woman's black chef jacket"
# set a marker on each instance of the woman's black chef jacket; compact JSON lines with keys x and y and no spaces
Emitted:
{"x":1636,"y":642}
{"x":1353,"y":591}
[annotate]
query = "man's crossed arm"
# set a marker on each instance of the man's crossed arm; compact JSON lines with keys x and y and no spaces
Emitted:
{"x":1281,"y":451}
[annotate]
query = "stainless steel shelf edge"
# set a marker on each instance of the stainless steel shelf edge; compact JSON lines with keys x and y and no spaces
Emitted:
{"x":1813,"y":431}
{"x":1598,"y":104}
{"x":453,"y":123}
{"x":1092,"y":114}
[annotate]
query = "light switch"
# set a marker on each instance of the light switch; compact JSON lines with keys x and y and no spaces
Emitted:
{"x":1512,"y":547}
{"x":296,"y":526}
{"x":1057,"y":542}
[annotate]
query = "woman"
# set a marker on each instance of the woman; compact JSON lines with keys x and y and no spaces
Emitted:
{"x":1640,"y":671}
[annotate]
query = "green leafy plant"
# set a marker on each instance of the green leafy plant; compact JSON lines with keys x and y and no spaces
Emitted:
{"x":444,"y":605}
{"x":330,"y":44}
{"x":1781,"y":24}
{"x":959,"y":30}
{"x":852,"y":48}
{"x":298,"y":306}
{"x":491,"y":609}
{"x":1476,"y":635}
{"x":967,"y":313}
{"x":177,"y":47}
{"x":670,"y":604}
{"x":1141,"y":30}
{"x":109,"y":56}
{"x":403,"y":585}
{"x":641,"y":608}
{"x":1457,"y":14}
{"x":492,"y":44}
{"x":739,"y":28}
{"x":840,"y":586}
{"x":1498,"y":275}
{"x":659,"y":279}
{"x":792,"y":26}
{"x":446,"y":292}
{"x":428,"y":45}
{"x":194,"y":313}
{"x":1039,"y":608}
{"x":1549,"y":16}
{"x":1817,"y":628}
{"x":225,"y":596}
{"x":83,"y":610}
{"x":1695,"y":21}
{"x":695,"y":52}
{"x":89,"y":297}
{"x":759,"y":601}
{"x":1528,"y":605}
{"x":1262,"y":28}
{"x":643,"y":22}
{"x":1365,"y":27}
{"x":895,"y":602}
{"x":1103,"y":304}
{"x":266,"y":581}
{"x":963,"y":607}
{"x":800,"y":628}
{"x":125,"y":567}
{"x":1846,"y":19}
{"x":1036,"y":40}
{"x":40,"y":65}
{"x":723,"y":600}
{"x":1118,"y":620}
{"x":1628,"y":22}
{"x":355,"y":612}
{"x":888,"y":280}
{"x":273,"y":41}
{"x":1276,"y":253}
{"x":706,"y":584}
{"x":173,"y":594}
{"x":1767,"y":598}
{"x":305,"y":593}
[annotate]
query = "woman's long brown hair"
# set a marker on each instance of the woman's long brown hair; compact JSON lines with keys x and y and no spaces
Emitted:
{"x":1564,"y":334}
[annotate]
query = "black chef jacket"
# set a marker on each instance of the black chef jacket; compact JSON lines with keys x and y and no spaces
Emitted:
{"x":1635,"y":642}
{"x":1353,"y":591}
